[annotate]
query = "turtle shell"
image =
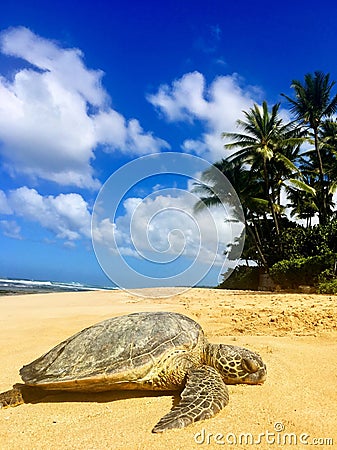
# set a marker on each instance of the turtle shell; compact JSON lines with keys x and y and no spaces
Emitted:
{"x":122,"y":350}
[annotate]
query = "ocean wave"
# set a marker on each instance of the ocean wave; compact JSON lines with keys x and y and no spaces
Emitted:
{"x":19,"y":285}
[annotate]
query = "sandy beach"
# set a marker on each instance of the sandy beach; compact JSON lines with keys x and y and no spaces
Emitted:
{"x":296,"y":334}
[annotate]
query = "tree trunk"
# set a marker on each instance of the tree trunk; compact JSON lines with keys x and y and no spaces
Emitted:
{"x":322,"y":207}
{"x":271,"y":205}
{"x":254,"y":233}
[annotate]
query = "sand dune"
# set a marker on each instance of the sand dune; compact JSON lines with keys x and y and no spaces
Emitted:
{"x":296,"y":334}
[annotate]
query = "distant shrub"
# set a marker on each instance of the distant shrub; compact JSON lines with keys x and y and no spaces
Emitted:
{"x":290,"y":274}
{"x":327,"y":287}
{"x":327,"y":281}
{"x":242,"y":277}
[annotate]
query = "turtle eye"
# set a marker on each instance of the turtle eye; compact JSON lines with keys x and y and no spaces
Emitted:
{"x":250,"y":365}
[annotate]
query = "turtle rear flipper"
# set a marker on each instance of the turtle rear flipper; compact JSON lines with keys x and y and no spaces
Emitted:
{"x":13,"y":397}
{"x":20,"y":394}
{"x":205,"y":394}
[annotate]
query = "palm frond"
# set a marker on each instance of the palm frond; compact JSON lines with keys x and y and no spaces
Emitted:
{"x":287,"y":163}
{"x":206,"y":202}
{"x":302,"y":186}
{"x":333,"y":187}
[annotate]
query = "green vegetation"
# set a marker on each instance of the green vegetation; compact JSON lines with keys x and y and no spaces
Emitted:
{"x":285,"y":187}
{"x":295,"y":272}
{"x":244,"y":278}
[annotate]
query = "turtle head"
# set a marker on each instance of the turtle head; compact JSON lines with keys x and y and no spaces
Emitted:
{"x":237,"y":364}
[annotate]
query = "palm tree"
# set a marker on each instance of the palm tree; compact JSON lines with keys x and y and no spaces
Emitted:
{"x":266,"y":157}
{"x":311,"y":105}
{"x":307,"y":204}
{"x":303,"y":205}
{"x":214,"y":192}
{"x":249,"y":190}
{"x":264,"y":145}
{"x":328,"y":139}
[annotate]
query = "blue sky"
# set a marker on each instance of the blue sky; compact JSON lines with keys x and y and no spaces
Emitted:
{"x":86,"y":87}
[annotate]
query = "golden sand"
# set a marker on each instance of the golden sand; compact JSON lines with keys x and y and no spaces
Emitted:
{"x":296,"y":334}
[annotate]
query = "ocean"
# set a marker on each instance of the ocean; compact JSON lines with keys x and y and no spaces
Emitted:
{"x":10,"y":286}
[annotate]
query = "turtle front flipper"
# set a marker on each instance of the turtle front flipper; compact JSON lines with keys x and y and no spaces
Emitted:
{"x":13,"y":397}
{"x":205,"y":394}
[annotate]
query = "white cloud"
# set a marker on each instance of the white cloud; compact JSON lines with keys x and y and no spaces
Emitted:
{"x":4,"y":206}
{"x":11,"y":229}
{"x":142,"y":143}
{"x":113,"y":130}
{"x":184,"y":100}
{"x":162,"y":227}
{"x":46,"y":129}
{"x":65,"y":65}
{"x":217,"y":106}
{"x":66,"y":215}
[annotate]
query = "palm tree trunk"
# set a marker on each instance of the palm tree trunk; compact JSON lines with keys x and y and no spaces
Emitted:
{"x":322,"y":212}
{"x":276,"y":199}
{"x":256,"y":238}
{"x":271,"y":205}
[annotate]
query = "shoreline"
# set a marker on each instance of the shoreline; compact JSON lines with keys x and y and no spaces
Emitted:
{"x":17,"y":286}
{"x":9,"y":292}
{"x":295,"y":334}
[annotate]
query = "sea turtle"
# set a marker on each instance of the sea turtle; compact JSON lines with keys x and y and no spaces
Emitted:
{"x":146,"y":350}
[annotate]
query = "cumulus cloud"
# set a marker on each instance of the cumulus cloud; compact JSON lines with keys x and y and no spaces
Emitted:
{"x":163,"y":227}
{"x":4,"y":206}
{"x":46,"y":129}
{"x":66,"y":65}
{"x":217,"y":107}
{"x":65,"y":215}
{"x":114,"y":131}
{"x":11,"y":229}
